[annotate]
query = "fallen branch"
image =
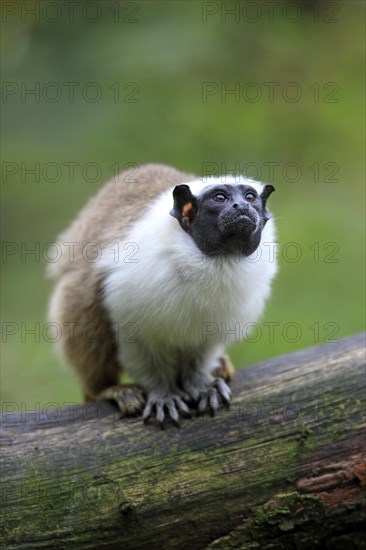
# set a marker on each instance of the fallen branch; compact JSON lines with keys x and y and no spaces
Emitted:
{"x":283,"y":468}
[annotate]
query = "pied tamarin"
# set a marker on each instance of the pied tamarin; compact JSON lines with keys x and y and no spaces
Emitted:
{"x":150,"y":272}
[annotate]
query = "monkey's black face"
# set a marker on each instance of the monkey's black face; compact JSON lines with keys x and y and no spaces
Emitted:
{"x":223,"y":219}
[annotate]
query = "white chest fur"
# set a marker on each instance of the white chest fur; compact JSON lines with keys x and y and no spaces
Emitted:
{"x":172,"y":293}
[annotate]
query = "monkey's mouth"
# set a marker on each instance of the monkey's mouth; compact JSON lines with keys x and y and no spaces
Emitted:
{"x":238,"y":224}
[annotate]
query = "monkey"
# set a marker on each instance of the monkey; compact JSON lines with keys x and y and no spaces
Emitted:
{"x":156,"y":267}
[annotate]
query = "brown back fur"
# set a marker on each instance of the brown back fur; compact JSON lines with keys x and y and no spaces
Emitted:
{"x":88,"y":341}
{"x":107,"y":216}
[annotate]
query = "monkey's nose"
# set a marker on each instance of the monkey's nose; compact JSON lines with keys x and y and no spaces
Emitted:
{"x":242,"y":207}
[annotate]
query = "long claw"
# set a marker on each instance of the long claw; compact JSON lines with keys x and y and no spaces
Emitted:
{"x":213,"y":400}
{"x":202,"y":405}
{"x":224,"y":390}
{"x":147,"y":412}
{"x":160,"y":415}
{"x":173,"y":413}
{"x":182,"y":407}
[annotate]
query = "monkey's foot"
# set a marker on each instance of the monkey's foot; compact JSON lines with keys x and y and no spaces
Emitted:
{"x":172,"y":404}
{"x":129,"y":398}
{"x":225,"y":370}
{"x":209,"y":398}
{"x":207,"y":394}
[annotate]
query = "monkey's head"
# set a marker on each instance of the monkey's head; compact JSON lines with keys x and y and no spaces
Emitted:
{"x":223,"y":218}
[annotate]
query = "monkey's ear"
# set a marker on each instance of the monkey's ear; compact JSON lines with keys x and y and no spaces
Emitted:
{"x":267,"y":191}
{"x":185,"y":206}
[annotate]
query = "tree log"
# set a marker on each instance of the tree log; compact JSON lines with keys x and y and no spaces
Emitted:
{"x":282,"y":469}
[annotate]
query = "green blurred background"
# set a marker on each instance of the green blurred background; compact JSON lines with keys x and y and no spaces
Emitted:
{"x":160,"y":55}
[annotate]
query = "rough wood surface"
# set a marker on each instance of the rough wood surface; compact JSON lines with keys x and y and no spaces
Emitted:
{"x":283,"y":468}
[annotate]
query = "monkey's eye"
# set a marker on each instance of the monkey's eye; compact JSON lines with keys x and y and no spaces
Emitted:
{"x":250,"y":196}
{"x":219,"y":197}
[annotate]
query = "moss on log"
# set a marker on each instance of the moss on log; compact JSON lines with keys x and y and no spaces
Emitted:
{"x":283,"y":468}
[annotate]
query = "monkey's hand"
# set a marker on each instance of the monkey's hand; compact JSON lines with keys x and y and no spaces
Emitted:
{"x":129,"y":398}
{"x":159,"y":403}
{"x":207,"y":391}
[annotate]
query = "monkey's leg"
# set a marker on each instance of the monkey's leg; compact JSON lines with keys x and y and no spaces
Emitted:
{"x":89,"y":342}
{"x":205,"y":383}
{"x":129,"y":398}
{"x":208,"y":399}
{"x":226,"y":370}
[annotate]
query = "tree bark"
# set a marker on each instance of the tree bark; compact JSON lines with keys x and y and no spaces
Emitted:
{"x":282,"y":469}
